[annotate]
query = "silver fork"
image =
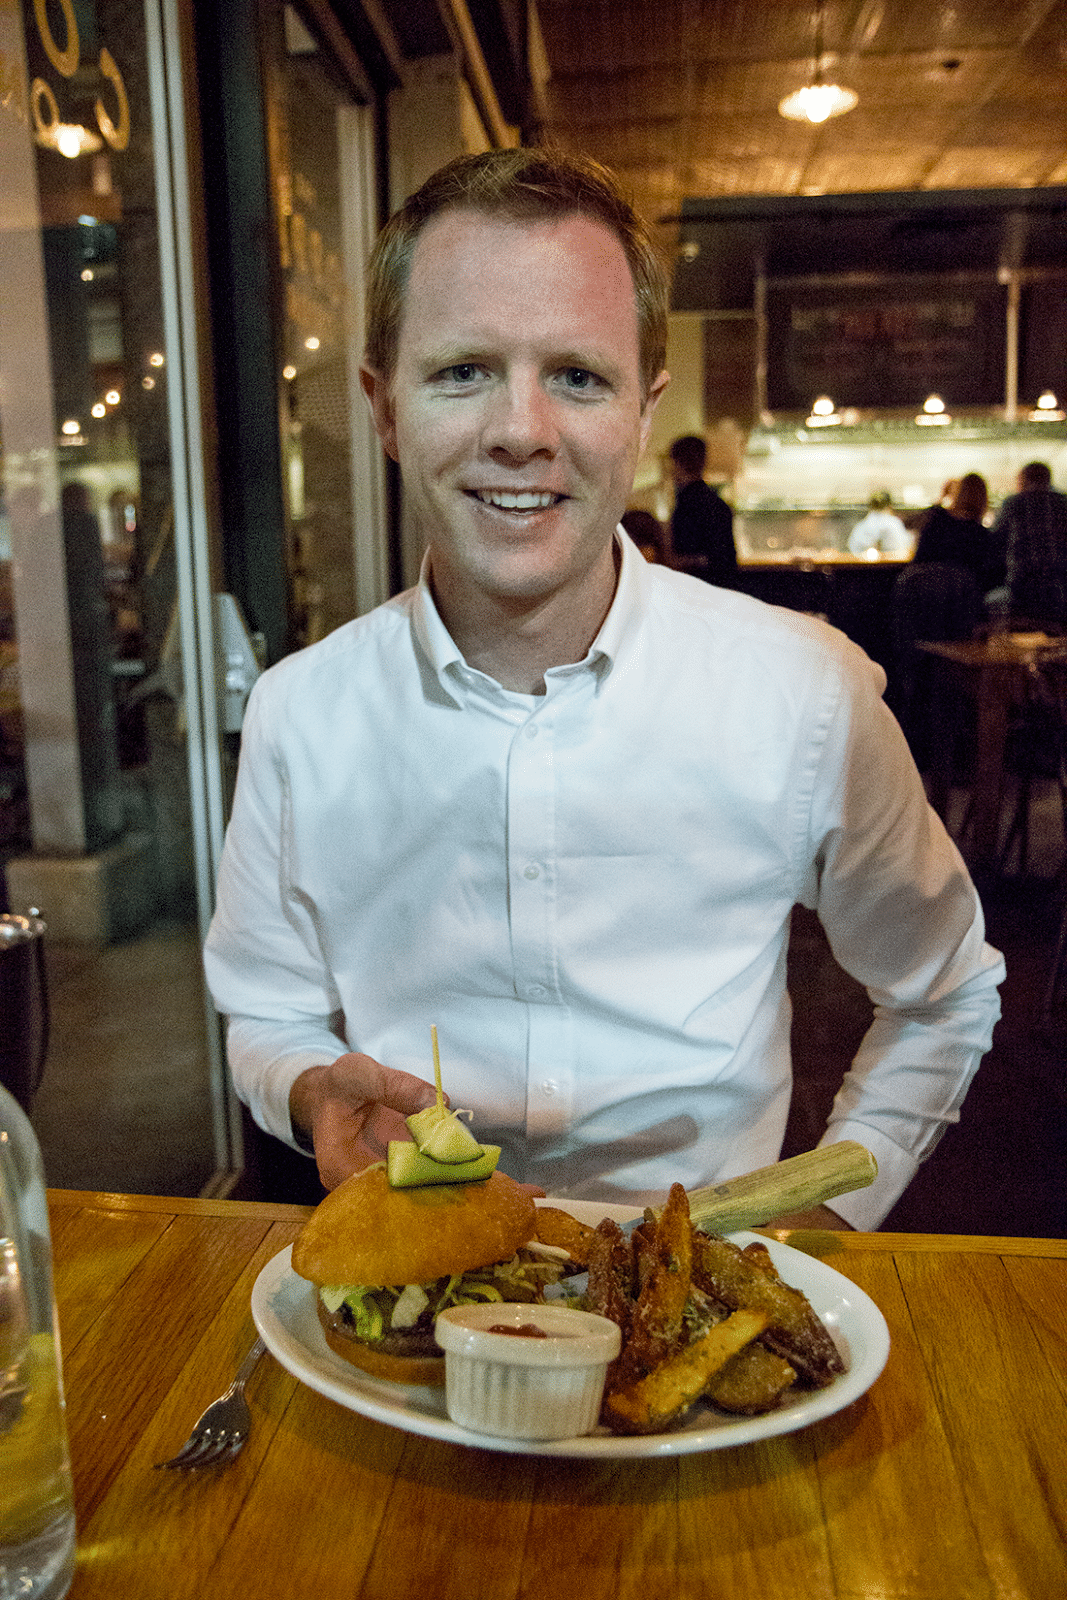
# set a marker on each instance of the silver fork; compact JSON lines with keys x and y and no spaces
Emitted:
{"x":219,"y":1434}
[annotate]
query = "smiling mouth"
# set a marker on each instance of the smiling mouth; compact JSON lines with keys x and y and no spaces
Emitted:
{"x":517,"y":499}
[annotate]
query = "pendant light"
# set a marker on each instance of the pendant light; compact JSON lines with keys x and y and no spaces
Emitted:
{"x":818,"y":101}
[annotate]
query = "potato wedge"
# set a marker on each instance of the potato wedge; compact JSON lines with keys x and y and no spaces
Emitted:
{"x":665,"y":1394}
{"x":559,"y":1228}
{"x":793,"y":1330}
{"x":656,"y":1322}
{"x":752,"y":1382}
{"x":610,"y":1291}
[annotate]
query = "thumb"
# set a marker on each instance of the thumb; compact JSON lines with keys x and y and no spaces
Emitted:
{"x":361,"y":1078}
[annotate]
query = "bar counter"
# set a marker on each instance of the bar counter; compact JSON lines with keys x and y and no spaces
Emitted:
{"x":852,"y":592}
{"x":944,"y":1482}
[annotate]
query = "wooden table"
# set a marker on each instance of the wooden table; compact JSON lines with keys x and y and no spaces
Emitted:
{"x":994,"y":673}
{"x":945,"y":1482}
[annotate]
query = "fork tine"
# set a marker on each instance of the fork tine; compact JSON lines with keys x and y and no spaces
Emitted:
{"x":200,"y":1450}
{"x":221,"y":1431}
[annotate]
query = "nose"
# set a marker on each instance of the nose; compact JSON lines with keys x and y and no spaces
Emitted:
{"x":521,"y":422}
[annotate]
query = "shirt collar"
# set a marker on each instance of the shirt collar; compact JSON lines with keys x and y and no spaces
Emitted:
{"x":618,"y":628}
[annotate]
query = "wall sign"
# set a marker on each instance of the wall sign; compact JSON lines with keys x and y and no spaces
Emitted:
{"x":886,"y":344}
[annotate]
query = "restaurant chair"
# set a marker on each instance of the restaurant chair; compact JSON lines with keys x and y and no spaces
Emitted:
{"x":933,"y":600}
{"x":1036,"y":751}
{"x":1058,"y":973}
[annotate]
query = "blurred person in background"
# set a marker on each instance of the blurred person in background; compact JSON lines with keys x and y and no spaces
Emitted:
{"x":956,"y":534}
{"x":702,"y":526}
{"x":1029,"y":537}
{"x":880,"y":530}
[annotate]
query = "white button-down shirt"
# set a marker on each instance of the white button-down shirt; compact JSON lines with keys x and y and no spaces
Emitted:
{"x":589,"y":891}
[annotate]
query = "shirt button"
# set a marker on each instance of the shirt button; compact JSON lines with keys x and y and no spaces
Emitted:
{"x":535,"y":991}
{"x":549,"y":1086}
{"x":532,"y":731}
{"x":531,"y":872}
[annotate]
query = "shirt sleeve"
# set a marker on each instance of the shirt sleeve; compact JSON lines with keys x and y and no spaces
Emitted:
{"x":262,"y":959}
{"x":903,"y":917}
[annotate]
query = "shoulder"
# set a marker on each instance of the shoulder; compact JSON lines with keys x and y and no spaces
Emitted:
{"x":753,"y":640}
{"x":312,"y":678}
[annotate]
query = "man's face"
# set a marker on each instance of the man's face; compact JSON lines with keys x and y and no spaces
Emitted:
{"x":515,"y":410}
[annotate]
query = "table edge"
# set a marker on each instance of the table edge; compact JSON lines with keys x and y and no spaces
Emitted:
{"x":181,"y":1205}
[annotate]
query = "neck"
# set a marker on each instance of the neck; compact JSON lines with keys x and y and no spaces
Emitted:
{"x":517,"y":640}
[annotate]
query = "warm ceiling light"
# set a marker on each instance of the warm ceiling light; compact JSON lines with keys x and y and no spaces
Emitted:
{"x":933,"y":414}
{"x":312,"y":343}
{"x":823,"y":413}
{"x":289,"y":373}
{"x":156,"y":359}
{"x":113,"y":397}
{"x":100,"y":409}
{"x":1047,"y":409}
{"x":69,"y":138}
{"x":71,"y":427}
{"x":818,"y":101}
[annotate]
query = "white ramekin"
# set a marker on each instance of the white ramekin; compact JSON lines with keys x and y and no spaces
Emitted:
{"x":516,"y":1387}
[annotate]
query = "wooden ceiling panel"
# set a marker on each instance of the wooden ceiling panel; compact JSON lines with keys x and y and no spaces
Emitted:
{"x":620,"y":96}
{"x":682,"y":95}
{"x":855,"y":172}
{"x":763,"y":174}
{"x":986,"y":167}
{"x":1005,"y":123}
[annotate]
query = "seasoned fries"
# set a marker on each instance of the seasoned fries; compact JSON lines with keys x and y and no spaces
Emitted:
{"x":747,"y":1277}
{"x":700,"y":1318}
{"x":566,"y":1232}
{"x":669,"y":1389}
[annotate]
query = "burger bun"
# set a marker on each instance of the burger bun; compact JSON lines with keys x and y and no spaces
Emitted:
{"x":366,"y":1232}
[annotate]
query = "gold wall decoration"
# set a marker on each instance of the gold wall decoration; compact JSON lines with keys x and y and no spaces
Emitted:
{"x":66,"y":60}
{"x":117,"y":135}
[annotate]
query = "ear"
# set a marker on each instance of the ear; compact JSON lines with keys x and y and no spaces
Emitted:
{"x":380,"y":400}
{"x":655,"y":395}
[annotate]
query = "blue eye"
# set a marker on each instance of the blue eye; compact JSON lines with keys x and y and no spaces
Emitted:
{"x":462,"y":372}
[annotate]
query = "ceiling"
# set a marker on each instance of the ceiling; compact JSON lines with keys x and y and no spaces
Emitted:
{"x":681,"y":96}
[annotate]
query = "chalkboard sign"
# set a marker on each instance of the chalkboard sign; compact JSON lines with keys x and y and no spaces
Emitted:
{"x":1043,"y":341}
{"x":886,"y":344}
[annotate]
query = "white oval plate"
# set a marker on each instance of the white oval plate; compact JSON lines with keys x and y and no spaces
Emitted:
{"x":283,"y":1309}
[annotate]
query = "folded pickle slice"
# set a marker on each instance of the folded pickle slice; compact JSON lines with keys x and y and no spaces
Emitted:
{"x":408,"y":1167}
{"x":439,"y":1133}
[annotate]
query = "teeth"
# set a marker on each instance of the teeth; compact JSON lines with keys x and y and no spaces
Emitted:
{"x":528,"y":500}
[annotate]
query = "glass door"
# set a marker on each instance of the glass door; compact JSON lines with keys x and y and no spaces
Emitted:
{"x":111,"y":767}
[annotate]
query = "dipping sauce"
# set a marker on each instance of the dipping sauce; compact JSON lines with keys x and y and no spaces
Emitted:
{"x":545,"y":1384}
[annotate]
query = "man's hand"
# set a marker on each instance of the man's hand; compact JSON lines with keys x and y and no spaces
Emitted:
{"x":351,"y":1108}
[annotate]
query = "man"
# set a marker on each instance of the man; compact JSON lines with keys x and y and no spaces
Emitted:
{"x":1030,"y":536}
{"x":881,"y":530}
{"x":702,"y":526}
{"x":560,"y":801}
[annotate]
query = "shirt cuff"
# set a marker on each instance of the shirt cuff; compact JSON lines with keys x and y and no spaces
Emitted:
{"x":864,"y":1209}
{"x":263,"y":1079}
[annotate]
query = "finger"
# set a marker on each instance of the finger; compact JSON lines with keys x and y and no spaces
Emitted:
{"x":360,"y":1079}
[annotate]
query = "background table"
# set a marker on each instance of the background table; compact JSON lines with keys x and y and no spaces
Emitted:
{"x":944,"y":1482}
{"x":994,"y":672}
